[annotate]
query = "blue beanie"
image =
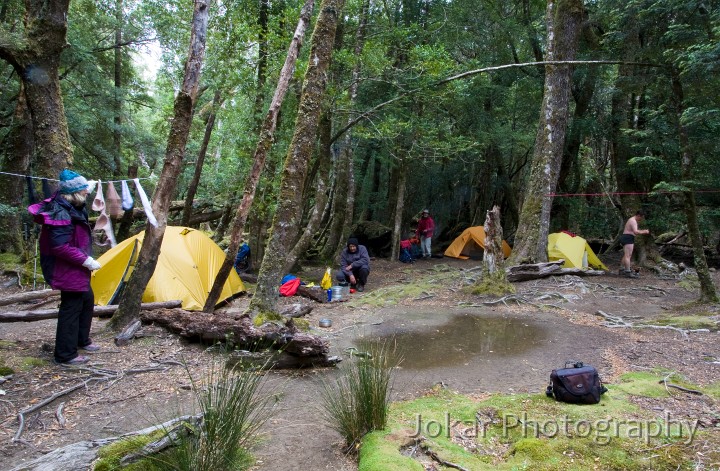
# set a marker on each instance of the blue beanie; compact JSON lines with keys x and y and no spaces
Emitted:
{"x":71,"y":182}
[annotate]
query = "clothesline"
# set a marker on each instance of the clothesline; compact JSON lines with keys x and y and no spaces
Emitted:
{"x":56,"y":180}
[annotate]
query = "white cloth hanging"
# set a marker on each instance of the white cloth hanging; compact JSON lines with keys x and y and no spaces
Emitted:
{"x":145,"y":203}
{"x":104,"y":224}
{"x":127,"y":199}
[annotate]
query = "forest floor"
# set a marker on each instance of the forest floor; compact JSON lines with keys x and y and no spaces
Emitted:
{"x":445,"y":335}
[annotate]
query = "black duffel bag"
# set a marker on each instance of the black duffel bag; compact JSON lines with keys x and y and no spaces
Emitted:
{"x":577,"y":384}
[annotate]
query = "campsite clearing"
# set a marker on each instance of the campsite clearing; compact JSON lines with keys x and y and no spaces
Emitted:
{"x":452,"y":340}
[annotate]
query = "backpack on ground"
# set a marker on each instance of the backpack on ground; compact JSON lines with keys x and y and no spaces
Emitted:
{"x":578,"y":384}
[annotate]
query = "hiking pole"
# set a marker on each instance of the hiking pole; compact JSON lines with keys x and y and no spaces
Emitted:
{"x":35,"y":264}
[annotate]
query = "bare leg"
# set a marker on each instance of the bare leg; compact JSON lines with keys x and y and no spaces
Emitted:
{"x":627,"y":255}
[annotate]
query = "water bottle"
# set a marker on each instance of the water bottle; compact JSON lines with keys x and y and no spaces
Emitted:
{"x":329,"y":293}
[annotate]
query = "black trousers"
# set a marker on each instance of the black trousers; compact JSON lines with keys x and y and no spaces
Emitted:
{"x":74,"y":320}
{"x":361,"y":276}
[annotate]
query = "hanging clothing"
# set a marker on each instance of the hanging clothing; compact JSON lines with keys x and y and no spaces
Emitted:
{"x":113,"y":201}
{"x":127,"y":200}
{"x":146,"y":203}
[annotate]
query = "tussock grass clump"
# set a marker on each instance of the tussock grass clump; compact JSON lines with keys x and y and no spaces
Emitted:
{"x":233,"y":407}
{"x":358,"y":401}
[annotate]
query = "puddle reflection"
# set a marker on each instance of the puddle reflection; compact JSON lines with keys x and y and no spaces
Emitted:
{"x":459,"y":340}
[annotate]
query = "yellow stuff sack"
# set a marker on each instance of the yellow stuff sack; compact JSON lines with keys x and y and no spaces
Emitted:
{"x":326,"y":282}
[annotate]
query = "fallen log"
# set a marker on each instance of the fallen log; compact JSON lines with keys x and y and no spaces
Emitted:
{"x":316,"y":293}
{"x":81,"y":455}
{"x":28,"y":296}
{"x":296,"y":310}
{"x":542,"y":270}
{"x":277,"y":360}
{"x":238,"y":330}
{"x":44,"y":314}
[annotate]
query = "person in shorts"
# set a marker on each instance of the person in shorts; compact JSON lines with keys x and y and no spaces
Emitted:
{"x":627,"y":239}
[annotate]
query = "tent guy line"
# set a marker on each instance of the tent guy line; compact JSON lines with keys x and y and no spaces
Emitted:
{"x":556,"y":195}
{"x":55,"y":179}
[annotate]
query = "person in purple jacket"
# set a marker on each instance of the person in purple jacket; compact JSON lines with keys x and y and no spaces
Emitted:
{"x":66,"y":262}
{"x":354,"y":265}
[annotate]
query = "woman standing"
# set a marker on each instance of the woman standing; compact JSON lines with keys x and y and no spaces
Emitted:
{"x":66,"y":262}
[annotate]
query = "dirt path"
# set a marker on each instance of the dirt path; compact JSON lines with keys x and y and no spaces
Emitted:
{"x":447,"y":337}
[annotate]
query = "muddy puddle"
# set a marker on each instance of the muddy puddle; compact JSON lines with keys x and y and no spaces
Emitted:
{"x":459,"y":340}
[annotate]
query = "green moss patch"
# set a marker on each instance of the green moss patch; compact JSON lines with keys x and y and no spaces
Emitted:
{"x":110,"y":455}
{"x":29,"y":363}
{"x":532,"y":431}
{"x":688,"y":322}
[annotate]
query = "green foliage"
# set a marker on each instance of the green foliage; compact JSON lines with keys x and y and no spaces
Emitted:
{"x":357,"y":402}
{"x":233,"y":408}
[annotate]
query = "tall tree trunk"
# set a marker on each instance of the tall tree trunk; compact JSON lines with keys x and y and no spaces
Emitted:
{"x":286,"y":221}
{"x":563,"y":25}
{"x":17,"y":160}
{"x":192,"y":188}
{"x":118,"y":102}
{"x":343,"y":204}
{"x":707,"y":289}
{"x":265,"y":141}
{"x":316,"y":213}
{"x":399,"y":205}
{"x":174,"y":154}
{"x":36,"y":58}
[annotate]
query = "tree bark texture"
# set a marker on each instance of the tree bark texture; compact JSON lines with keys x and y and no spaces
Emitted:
{"x":287,"y":216}
{"x":35,"y":56}
{"x":193,"y":186}
{"x":493,"y":254}
{"x":20,"y":143}
{"x":265,"y":140}
{"x":399,"y":205}
{"x":563,"y":25}
{"x":707,"y":288}
{"x":175,"y":151}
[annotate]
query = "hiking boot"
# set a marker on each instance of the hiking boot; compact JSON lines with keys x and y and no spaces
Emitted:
{"x":361,"y":288}
{"x":78,"y":360}
{"x":91,"y":348}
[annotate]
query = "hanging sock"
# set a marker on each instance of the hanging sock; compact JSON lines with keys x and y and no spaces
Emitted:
{"x":32,"y":196}
{"x":113,"y":201}
{"x":47,"y":190}
{"x":127,"y":200}
{"x":145,"y":203}
{"x":98,"y":203}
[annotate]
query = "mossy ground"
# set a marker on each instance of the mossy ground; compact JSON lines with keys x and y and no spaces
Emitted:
{"x":529,"y":431}
{"x":439,"y":277}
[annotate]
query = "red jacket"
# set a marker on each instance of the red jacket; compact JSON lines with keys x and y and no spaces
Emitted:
{"x":425,"y":227}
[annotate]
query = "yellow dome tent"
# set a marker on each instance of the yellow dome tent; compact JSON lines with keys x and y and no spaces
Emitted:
{"x":471,"y":243}
{"x":186,"y":268}
{"x":575,"y":250}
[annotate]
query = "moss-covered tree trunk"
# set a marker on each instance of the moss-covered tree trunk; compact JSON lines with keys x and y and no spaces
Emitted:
{"x":493,"y":256}
{"x":708,"y":293}
{"x":265,"y":140}
{"x":563,"y":30}
{"x":34,"y":54}
{"x":174,"y":154}
{"x":286,"y":222}
{"x":19,"y":144}
{"x":398,"y":210}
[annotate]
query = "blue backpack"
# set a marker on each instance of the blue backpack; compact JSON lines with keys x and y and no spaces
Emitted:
{"x":242,"y":259}
{"x":405,"y":256}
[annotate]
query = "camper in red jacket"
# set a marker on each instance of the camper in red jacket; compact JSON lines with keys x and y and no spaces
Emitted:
{"x":425,"y":229}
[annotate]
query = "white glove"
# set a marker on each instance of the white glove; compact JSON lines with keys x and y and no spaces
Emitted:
{"x":91,"y":264}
